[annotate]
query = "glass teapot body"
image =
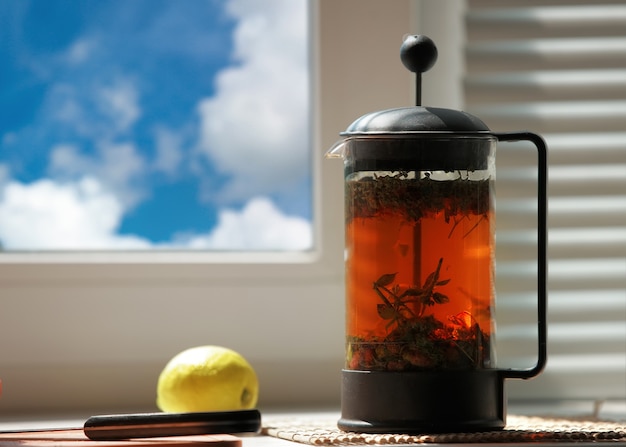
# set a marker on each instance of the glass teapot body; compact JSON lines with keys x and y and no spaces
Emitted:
{"x":419,"y":228}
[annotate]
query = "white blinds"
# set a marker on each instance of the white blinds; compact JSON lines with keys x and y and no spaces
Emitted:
{"x":558,"y":68}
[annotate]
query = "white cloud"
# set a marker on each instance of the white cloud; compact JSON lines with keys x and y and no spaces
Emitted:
{"x":97,"y":109}
{"x":255,"y":128}
{"x":46,"y":215}
{"x":105,"y":97}
{"x":79,"y":51}
{"x":83,"y":215}
{"x":117,"y":166}
{"x":118,"y":101}
{"x":5,"y":174}
{"x":63,"y":104}
{"x":169,"y":152}
{"x":260,"y":225}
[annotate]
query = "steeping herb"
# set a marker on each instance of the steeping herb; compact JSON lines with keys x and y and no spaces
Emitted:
{"x":418,"y":341}
{"x":402,"y":327}
{"x":416,"y":197}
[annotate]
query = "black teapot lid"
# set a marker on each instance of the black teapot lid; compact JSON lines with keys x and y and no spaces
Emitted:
{"x":418,"y":54}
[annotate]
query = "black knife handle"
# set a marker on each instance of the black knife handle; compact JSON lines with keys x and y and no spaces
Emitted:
{"x":149,"y":425}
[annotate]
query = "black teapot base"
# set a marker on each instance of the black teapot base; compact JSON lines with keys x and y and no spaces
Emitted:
{"x":422,"y":401}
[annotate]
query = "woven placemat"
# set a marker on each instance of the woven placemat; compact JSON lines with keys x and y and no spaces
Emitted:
{"x":518,"y":429}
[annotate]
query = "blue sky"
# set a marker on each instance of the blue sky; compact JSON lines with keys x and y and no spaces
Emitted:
{"x":154,"y":123}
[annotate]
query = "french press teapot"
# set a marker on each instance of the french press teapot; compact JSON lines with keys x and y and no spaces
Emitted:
{"x":420,"y":249}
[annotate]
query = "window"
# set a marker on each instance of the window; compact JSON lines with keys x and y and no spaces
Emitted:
{"x":104,"y":145}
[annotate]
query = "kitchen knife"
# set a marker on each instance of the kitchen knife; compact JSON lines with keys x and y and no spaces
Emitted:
{"x":148,"y":425}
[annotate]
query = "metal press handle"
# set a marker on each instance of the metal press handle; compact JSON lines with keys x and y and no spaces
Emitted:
{"x":542,"y":200}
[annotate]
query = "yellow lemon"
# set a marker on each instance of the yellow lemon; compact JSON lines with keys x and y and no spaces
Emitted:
{"x":207,"y":378}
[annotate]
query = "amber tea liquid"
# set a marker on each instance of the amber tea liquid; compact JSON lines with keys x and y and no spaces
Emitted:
{"x":419,"y":271}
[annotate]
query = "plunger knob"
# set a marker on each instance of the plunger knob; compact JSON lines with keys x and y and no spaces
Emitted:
{"x":418,"y":54}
